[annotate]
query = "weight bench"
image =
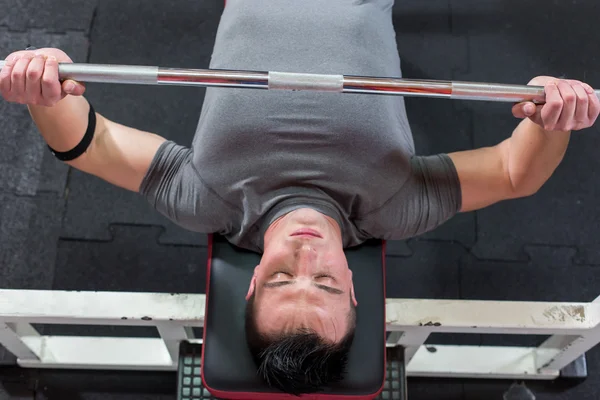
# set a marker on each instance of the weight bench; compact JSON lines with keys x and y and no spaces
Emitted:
{"x":573,"y":329}
{"x":227,"y":368}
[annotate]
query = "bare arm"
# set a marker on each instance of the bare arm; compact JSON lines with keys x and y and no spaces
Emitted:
{"x":517,"y":167}
{"x":520,"y":165}
{"x":118,"y":154}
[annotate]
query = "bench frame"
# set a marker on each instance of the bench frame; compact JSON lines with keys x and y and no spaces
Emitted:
{"x":573,"y":329}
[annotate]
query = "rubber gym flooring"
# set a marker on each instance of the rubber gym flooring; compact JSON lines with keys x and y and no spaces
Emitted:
{"x":61,"y":229}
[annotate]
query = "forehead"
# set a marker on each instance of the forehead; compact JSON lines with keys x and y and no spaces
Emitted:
{"x":290,"y":316}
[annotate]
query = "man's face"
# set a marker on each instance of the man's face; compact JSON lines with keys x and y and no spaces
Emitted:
{"x":303,"y":280}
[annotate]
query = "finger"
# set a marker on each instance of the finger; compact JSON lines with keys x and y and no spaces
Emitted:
{"x":593,"y":105}
{"x":5,"y":75}
{"x":51,"y":88}
{"x":567,"y":116}
{"x":73,"y":88}
{"x":581,"y":110}
{"x":79,"y":89}
{"x":523,"y":110}
{"x":537,"y":116}
{"x":17,"y":81}
{"x":552,"y":109}
{"x":33,"y":87}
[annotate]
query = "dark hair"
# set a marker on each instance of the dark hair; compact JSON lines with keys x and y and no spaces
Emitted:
{"x":298,"y":362}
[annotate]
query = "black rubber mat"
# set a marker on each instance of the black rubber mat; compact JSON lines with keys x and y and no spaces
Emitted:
{"x":507,"y":45}
{"x":430,"y":271}
{"x":29,"y":228}
{"x":48,"y":15}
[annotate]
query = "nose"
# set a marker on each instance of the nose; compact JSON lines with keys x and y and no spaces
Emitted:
{"x":306,"y":256}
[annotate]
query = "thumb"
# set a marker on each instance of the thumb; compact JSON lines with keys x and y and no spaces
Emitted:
{"x":73,"y":88}
{"x":524,"y":110}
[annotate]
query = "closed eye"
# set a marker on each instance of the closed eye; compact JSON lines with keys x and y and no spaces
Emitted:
{"x":326,"y":276}
{"x":328,"y":289}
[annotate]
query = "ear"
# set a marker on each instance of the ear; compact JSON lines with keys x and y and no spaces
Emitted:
{"x":352,"y":295}
{"x":252,"y":283}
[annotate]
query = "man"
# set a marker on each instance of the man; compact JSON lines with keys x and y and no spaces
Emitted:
{"x":299,"y":176}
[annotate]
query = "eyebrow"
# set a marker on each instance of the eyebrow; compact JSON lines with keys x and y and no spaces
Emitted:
{"x":328,"y":289}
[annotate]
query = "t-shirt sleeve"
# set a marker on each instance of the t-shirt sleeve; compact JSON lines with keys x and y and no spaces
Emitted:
{"x":173,"y":187}
{"x":430,"y":196}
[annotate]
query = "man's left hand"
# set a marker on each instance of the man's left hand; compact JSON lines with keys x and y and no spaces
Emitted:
{"x":570,"y":105}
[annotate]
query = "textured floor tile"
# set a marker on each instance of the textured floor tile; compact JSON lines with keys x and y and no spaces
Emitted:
{"x":132,"y":261}
{"x":430,"y":272}
{"x":50,"y":15}
{"x":29,"y":228}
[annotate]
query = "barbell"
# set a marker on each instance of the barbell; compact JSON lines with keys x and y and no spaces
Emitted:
{"x":146,"y":75}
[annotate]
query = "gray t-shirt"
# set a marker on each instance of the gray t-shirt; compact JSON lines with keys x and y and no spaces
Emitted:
{"x":257,"y":155}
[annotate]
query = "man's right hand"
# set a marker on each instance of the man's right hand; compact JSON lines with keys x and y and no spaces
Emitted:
{"x":31,"y":77}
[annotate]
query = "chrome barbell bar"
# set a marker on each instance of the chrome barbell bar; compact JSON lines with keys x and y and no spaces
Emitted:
{"x":144,"y":75}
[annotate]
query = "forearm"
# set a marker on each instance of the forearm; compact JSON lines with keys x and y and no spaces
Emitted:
{"x":64,"y":125}
{"x":531,"y":155}
{"x":118,"y":154}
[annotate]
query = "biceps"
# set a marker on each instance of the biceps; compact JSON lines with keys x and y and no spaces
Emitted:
{"x":121,"y":155}
{"x":483,"y":176}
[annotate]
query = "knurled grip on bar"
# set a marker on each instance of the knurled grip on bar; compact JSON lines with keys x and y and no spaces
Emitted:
{"x":123,"y":74}
{"x":315,"y":82}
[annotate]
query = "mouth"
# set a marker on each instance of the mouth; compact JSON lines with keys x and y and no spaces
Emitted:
{"x":307,"y":232}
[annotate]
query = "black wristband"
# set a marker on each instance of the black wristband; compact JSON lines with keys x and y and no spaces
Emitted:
{"x":85,"y":141}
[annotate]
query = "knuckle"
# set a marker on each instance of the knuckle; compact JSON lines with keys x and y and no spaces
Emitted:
{"x":33,"y":74}
{"x":569,"y":97}
{"x":555,"y":104}
{"x":18,"y":74}
{"x":49,"y":81}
